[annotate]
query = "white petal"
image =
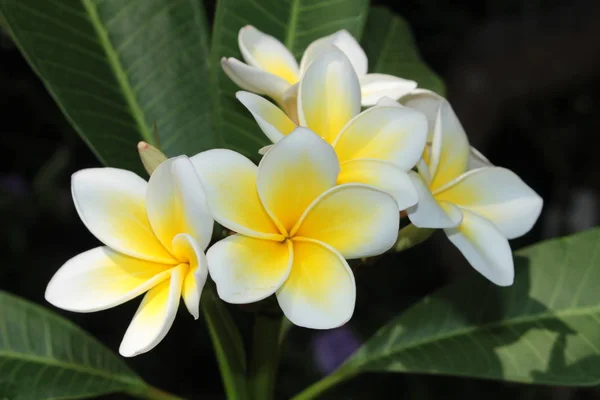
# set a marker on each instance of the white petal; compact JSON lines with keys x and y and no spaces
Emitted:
{"x":112,"y":205}
{"x":376,"y":86}
{"x":320,"y":292}
{"x":229,"y":181}
{"x":329,"y":94}
{"x":189,"y":250}
{"x":101,"y":278}
{"x":427,"y":102}
{"x":477,"y":160}
{"x":500,"y":196}
{"x":254,"y":79}
{"x":154,"y":316}
{"x":393,"y":134}
{"x":176,"y":203}
{"x":484,"y":246}
{"x":382,"y":175}
{"x":298,"y":169}
{"x":267,"y":53}
{"x":428,"y":212}
{"x":273,"y":122}
{"x":345,"y":42}
{"x":387,"y":102}
{"x":247,"y":269}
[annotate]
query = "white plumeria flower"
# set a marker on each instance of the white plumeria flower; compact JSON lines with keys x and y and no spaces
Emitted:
{"x":154,"y":233}
{"x":376,"y":147}
{"x":478,"y":205}
{"x":294,"y":228}
{"x":272,"y":70}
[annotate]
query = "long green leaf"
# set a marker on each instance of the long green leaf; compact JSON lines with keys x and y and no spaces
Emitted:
{"x":43,"y":356}
{"x":116,"y":66}
{"x":296,"y":23}
{"x":391,"y":49}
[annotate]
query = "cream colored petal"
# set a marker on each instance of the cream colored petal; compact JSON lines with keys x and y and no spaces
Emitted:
{"x":382,"y":175}
{"x":477,"y":160}
{"x":376,"y":86}
{"x":329,"y":94}
{"x":229,"y":181}
{"x":177,"y":204}
{"x":387,"y":102}
{"x":500,"y":196}
{"x":112,"y":204}
{"x":485,"y":247}
{"x":190,"y":251}
{"x":427,"y":102}
{"x":356,"y":220}
{"x":345,"y":42}
{"x":298,"y":169}
{"x":428,"y":212}
{"x":101,"y":278}
{"x":393,"y":134}
{"x":320,"y":292}
{"x":273,"y":122}
{"x":289,"y":102}
{"x":246,"y":269}
{"x":267,"y":53}
{"x":254,"y":79}
{"x":154,"y":316}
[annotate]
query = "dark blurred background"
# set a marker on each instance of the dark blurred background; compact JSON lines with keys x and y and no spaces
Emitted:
{"x":524,"y":78}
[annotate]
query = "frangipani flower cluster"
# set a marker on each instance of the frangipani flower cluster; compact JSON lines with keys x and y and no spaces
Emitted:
{"x":329,"y":189}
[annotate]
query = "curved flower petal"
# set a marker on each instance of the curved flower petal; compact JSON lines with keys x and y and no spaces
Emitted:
{"x":254,"y":79}
{"x":356,"y":220}
{"x":426,"y":101}
{"x":186,"y":248}
{"x":320,"y":292}
{"x":387,"y":102}
{"x":376,"y":86}
{"x":154,"y":316}
{"x":345,"y":42}
{"x":273,"y":122}
{"x":176,"y":203}
{"x":329,"y":94}
{"x":267,"y":53}
{"x":101,"y":278}
{"x":382,"y":175}
{"x":500,"y":196}
{"x":485,"y":247}
{"x":428,"y":212}
{"x":477,"y":160}
{"x":289,"y":102}
{"x":112,"y":204}
{"x":229,"y":181}
{"x":297,"y":170}
{"x":247,"y":269}
{"x":394,"y":134}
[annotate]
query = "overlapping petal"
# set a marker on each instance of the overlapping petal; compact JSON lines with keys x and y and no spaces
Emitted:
{"x":229,"y":181}
{"x":254,"y":79}
{"x":345,"y":42}
{"x":329,"y":94}
{"x":273,"y":122}
{"x":376,"y":86}
{"x":188,"y":250}
{"x":428,"y":212}
{"x":294,"y":173}
{"x":246,"y":269}
{"x":320,"y":292}
{"x":112,"y":204}
{"x":485,"y":247}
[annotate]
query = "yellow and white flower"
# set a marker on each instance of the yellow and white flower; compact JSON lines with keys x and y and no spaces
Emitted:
{"x":479,"y":206}
{"x":272,"y":70}
{"x":294,"y":228}
{"x":154,"y":233}
{"x":376,"y":147}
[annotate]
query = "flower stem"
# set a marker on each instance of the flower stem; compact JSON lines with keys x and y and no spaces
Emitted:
{"x":265,"y":356}
{"x":317,"y":388}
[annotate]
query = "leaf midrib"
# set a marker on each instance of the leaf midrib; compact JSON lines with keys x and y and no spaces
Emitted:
{"x":467,"y":331}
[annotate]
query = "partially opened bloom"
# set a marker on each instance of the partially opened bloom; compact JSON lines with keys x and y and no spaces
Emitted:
{"x":294,"y":227}
{"x":272,"y":70}
{"x":479,"y":206}
{"x":154,"y":237}
{"x":376,"y":147}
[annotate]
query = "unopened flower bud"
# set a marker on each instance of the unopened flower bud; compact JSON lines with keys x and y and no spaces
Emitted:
{"x":151,"y":157}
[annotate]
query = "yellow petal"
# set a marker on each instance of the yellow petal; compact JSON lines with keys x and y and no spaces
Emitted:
{"x":187,"y":249}
{"x":356,"y":220}
{"x":298,"y":169}
{"x":320,"y":292}
{"x":246,"y":269}
{"x":273,"y":122}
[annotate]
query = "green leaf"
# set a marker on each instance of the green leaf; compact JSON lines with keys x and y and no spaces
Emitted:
{"x":296,"y":23}
{"x":43,"y":356}
{"x":544,"y":329}
{"x":391,"y":49}
{"x":116,"y":66}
